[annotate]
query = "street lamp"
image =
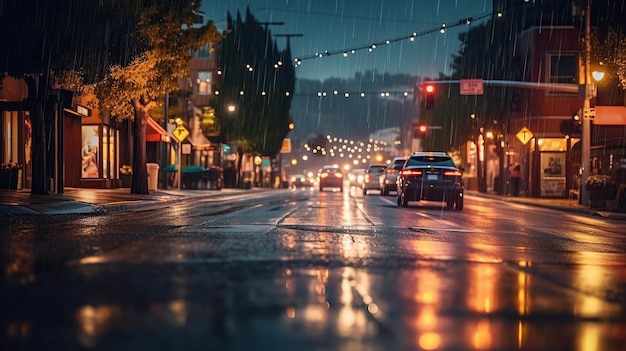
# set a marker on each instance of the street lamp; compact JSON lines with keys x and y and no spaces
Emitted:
{"x":585,"y":163}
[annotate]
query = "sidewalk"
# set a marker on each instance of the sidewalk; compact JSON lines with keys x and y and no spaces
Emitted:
{"x":96,"y":201}
{"x":100,"y":201}
{"x":566,"y":205}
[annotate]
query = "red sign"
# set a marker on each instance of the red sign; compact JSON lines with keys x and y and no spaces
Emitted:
{"x":472,"y":87}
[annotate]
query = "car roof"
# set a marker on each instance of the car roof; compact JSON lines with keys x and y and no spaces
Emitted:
{"x":430,"y":153}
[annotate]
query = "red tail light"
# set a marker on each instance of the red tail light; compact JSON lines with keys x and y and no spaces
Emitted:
{"x":453,"y":173}
{"x":324,"y":175}
{"x":338,"y":175}
{"x":411,"y":173}
{"x":391,"y":171}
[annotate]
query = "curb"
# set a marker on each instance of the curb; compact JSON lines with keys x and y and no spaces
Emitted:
{"x":581,"y":211}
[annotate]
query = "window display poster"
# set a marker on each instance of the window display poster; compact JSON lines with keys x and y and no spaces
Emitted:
{"x":553,"y":164}
{"x":90,"y":152}
{"x":553,"y":174}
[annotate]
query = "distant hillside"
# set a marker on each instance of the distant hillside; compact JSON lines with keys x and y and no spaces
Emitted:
{"x":354,"y":117}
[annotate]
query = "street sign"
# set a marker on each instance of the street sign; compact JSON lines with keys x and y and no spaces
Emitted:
{"x":472,"y":87}
{"x":524,"y":135}
{"x":285,"y":147}
{"x":180,"y":133}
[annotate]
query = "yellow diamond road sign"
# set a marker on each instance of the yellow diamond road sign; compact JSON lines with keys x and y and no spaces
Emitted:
{"x":524,"y":135}
{"x":180,"y":133}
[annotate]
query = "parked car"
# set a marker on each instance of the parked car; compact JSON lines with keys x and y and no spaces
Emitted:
{"x":330,"y":177}
{"x":388,"y":180}
{"x":371,"y":180}
{"x":430,"y":176}
{"x":356,"y":177}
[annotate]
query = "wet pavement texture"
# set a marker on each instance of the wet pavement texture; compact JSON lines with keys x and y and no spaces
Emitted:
{"x":315,"y":271}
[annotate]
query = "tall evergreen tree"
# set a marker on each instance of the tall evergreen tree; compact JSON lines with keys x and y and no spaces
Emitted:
{"x":258,"y":79}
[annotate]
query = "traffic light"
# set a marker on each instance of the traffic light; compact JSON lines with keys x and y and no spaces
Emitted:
{"x":419,"y":131}
{"x":208,"y":121}
{"x":572,"y":127}
{"x":429,"y":95}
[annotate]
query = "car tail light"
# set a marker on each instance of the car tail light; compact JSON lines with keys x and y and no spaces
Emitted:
{"x":391,"y":171}
{"x":338,"y":175}
{"x":453,"y":173}
{"x":411,"y":173}
{"x":324,"y":175}
{"x":367,"y":178}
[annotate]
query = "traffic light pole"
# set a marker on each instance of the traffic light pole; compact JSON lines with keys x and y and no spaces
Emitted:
{"x":585,"y":162}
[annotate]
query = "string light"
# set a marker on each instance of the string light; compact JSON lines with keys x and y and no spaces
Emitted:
{"x":345,"y":148}
{"x":370,"y":48}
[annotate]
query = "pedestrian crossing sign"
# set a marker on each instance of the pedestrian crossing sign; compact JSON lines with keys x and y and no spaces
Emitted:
{"x":180,"y":133}
{"x":524,"y":135}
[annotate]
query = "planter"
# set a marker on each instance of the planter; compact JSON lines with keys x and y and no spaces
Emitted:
{"x":597,"y":197}
{"x":125,"y":180}
{"x":10,"y":178}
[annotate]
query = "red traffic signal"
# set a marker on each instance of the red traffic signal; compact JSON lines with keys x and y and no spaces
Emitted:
{"x":429,"y":95}
{"x":419,"y":130}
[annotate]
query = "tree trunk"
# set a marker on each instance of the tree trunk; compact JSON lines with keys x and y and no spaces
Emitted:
{"x":139,"y":182}
{"x":36,"y":99}
{"x":239,"y":181}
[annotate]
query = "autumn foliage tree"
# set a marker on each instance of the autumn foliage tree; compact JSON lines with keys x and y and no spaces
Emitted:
{"x":132,"y":91}
{"x":42,"y":39}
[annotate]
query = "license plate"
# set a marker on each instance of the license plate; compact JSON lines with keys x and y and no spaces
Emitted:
{"x":432,"y":177}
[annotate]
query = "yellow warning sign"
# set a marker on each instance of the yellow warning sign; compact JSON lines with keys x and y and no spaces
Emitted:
{"x":524,"y":135}
{"x":180,"y":133}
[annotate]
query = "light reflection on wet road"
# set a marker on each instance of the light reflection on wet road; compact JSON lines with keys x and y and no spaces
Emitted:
{"x":306,"y":270}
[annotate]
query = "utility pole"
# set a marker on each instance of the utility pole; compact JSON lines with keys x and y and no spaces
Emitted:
{"x":288,"y":36}
{"x":266,"y":26}
{"x":585,"y":162}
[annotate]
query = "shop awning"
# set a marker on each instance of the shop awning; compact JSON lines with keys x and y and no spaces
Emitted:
{"x":154,"y":132}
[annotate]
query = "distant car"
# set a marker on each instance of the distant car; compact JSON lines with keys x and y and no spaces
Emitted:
{"x":330,"y":177}
{"x":356,"y":177}
{"x":371,"y":181}
{"x":430,"y":176}
{"x":388,"y":181}
{"x":299,"y":181}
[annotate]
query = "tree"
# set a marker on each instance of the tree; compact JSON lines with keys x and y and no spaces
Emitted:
{"x":259,"y":80}
{"x":41,"y":37}
{"x":131,"y":92}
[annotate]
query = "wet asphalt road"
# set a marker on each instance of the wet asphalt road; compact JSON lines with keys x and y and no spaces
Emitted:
{"x":304,"y":270}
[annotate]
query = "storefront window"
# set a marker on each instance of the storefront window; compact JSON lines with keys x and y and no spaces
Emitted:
{"x":553,"y":174}
{"x":10,"y":137}
{"x":113,"y":150}
{"x":90,"y":152}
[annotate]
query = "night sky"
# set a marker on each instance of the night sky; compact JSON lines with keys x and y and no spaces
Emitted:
{"x":339,"y":25}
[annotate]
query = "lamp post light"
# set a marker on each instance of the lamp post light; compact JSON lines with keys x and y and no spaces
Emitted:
{"x":586,"y":124}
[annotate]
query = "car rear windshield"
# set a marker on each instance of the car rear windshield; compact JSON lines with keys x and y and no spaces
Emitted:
{"x":376,"y":169}
{"x":437,"y":161}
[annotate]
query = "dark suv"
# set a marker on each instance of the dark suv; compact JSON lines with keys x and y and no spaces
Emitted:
{"x":388,"y":180}
{"x":430,"y":176}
